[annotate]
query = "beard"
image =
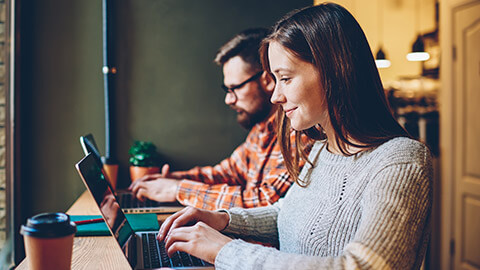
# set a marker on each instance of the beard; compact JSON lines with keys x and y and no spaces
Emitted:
{"x":249,"y":119}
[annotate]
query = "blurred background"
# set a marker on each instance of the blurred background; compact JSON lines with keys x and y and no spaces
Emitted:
{"x":167,"y":91}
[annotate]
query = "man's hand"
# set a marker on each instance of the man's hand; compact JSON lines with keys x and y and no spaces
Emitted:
{"x":202,"y":240}
{"x":155,"y":188}
{"x":164,"y":174}
{"x":166,"y":171}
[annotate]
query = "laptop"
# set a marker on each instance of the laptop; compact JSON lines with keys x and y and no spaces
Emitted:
{"x":128,"y":202}
{"x":142,"y":249}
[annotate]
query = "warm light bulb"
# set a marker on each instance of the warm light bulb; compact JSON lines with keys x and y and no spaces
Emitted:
{"x":418,"y":56}
{"x":382,"y":63}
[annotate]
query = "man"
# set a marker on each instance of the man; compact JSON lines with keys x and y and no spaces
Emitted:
{"x":254,"y":175}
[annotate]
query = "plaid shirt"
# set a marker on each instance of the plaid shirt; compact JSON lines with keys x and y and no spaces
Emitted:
{"x":254,"y":175}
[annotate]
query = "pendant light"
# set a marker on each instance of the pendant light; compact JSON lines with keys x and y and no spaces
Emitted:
{"x":380,"y":58}
{"x":418,"y":48}
{"x":418,"y":51}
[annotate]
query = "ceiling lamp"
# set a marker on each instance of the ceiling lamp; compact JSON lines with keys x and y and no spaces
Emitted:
{"x":418,"y":51}
{"x":418,"y":48}
{"x":381,"y":60}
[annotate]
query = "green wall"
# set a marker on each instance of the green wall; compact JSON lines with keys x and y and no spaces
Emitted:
{"x":167,"y":87}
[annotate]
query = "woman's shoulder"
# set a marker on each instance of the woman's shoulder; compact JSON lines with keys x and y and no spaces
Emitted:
{"x":403,"y":150}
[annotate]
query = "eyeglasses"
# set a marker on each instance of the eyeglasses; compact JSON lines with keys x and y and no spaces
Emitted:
{"x":240,"y":85}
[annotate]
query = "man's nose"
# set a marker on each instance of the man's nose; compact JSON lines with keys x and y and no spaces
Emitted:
{"x":230,"y":98}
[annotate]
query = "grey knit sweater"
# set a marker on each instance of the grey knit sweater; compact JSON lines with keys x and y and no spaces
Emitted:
{"x":368,"y":211}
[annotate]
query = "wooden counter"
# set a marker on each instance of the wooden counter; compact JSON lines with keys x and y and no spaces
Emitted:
{"x":92,"y":252}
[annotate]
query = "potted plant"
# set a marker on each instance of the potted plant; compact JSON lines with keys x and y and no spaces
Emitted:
{"x":144,"y":159}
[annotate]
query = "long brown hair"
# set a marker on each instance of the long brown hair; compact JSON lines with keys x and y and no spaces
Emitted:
{"x":330,"y":38}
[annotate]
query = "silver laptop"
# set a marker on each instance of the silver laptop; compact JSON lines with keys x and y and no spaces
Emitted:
{"x":128,"y":202}
{"x":142,"y":249}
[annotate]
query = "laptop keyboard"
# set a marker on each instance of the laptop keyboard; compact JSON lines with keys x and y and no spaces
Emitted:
{"x":127,"y":200}
{"x":155,"y":255}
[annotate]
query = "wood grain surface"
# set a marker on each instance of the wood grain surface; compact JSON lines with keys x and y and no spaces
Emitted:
{"x":94,"y":252}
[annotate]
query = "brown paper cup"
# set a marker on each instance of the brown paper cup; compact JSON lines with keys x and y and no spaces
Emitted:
{"x":49,"y":253}
{"x":48,"y":241}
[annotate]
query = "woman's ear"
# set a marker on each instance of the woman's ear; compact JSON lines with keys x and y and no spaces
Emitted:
{"x":268,"y":82}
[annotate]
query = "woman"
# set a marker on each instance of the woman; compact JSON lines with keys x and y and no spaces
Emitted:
{"x":363,"y":200}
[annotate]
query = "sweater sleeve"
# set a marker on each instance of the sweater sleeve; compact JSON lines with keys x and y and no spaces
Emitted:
{"x":256,"y":223}
{"x":396,"y":206}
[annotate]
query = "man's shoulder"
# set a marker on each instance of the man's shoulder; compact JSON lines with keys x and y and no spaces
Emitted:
{"x":266,"y":126}
{"x":263,"y":133}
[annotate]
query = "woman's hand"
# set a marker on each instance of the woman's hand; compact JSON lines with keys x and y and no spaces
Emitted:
{"x":196,"y":232}
{"x":190,"y":216}
{"x":199,"y":240}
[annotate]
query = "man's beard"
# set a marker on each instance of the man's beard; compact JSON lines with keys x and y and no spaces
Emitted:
{"x":248,"y":120}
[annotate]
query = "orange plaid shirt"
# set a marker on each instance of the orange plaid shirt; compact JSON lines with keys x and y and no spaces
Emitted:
{"x":254,"y":175}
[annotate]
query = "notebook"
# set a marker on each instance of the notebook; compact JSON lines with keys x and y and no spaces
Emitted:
{"x":128,"y":202}
{"x":142,"y":249}
{"x":143,"y":222}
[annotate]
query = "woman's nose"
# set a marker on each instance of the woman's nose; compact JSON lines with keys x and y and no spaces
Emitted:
{"x":277,"y":97}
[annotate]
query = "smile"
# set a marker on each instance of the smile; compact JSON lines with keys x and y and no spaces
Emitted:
{"x":289,"y":112}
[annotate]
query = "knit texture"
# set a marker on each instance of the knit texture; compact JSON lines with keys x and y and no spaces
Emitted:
{"x":367,"y":211}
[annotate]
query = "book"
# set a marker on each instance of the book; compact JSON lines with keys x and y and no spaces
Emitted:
{"x":139,"y":222}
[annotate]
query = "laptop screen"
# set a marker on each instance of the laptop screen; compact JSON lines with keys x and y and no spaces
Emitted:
{"x":89,"y":146}
{"x":95,"y":182}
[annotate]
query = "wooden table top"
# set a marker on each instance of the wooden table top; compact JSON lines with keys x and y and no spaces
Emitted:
{"x":92,"y":252}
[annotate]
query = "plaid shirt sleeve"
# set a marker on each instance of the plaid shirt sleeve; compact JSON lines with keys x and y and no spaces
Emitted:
{"x":254,"y":175}
{"x":228,"y":171}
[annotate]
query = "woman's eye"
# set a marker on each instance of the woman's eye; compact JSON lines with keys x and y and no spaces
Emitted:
{"x":285,"y":80}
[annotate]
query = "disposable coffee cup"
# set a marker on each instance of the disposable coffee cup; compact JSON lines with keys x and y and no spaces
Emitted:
{"x":48,"y":241}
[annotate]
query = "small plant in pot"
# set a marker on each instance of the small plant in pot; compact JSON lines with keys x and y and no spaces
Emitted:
{"x":144,"y":159}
